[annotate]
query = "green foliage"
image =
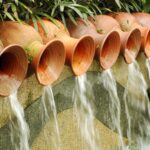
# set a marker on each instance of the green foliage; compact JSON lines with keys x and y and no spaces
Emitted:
{"x":34,"y":9}
{"x":70,"y":9}
{"x":125,"y":5}
{"x":146,"y":6}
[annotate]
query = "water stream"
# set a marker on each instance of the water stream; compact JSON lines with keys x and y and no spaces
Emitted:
{"x":49,"y":113}
{"x":148,"y":66}
{"x":18,"y":128}
{"x":136,"y":98}
{"x":83,"y":109}
{"x":109,"y":84}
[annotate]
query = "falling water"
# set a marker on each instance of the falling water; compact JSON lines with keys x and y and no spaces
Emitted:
{"x":135,"y":96}
{"x":136,"y":87}
{"x":48,"y":104}
{"x":20,"y":130}
{"x":82,"y":98}
{"x":109,"y":84}
{"x":148,"y":66}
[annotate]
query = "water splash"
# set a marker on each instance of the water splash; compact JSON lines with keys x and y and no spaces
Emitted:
{"x":50,"y":114}
{"x":82,"y":98}
{"x":19,"y":132}
{"x":135,"y":97}
{"x":109,"y":84}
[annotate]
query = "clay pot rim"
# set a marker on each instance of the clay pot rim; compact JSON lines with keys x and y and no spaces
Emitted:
{"x":140,"y":13}
{"x":113,"y":31}
{"x":39,"y":58}
{"x":147,"y":54}
{"x":7,"y":49}
{"x":74,"y":48}
{"x":126,"y":56}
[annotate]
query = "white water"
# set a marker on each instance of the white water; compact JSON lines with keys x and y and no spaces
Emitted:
{"x":109,"y":84}
{"x":136,"y":87}
{"x":135,"y":95}
{"x":21,"y":129}
{"x":82,"y":98}
{"x":48,"y":104}
{"x":148,"y":66}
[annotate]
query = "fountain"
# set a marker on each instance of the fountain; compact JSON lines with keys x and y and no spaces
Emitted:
{"x":83,"y":109}
{"x":109,"y":84}
{"x":19,"y":129}
{"x":148,"y":66}
{"x":136,"y":98}
{"x":49,"y":113}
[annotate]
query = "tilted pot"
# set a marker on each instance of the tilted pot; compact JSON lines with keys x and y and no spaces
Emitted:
{"x":107,"y":45}
{"x":144,"y":20}
{"x":127,"y":22}
{"x":47,"y":60}
{"x":130,"y":41}
{"x":13,"y":68}
{"x":79,"y":52}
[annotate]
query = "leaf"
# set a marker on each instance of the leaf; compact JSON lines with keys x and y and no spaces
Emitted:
{"x":146,"y":6}
{"x":13,"y":8}
{"x":61,"y":8}
{"x":98,"y":9}
{"x":93,"y":10}
{"x":71,"y":17}
{"x":77,"y":11}
{"x":83,"y":8}
{"x":27,"y":17}
{"x":63,"y":19}
{"x":26,"y":7}
{"x":16,"y":1}
{"x":1,"y":17}
{"x":49,"y":17}
{"x":42,"y":24}
{"x":9,"y":16}
{"x":107,"y":9}
{"x":53,"y":10}
{"x":34,"y":22}
{"x":127,"y":8}
{"x":118,"y":3}
{"x":135,"y":6}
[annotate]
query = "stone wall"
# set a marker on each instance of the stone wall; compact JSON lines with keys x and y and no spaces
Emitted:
{"x":29,"y":96}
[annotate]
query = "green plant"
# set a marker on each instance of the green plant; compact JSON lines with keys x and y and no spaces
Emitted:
{"x":96,"y":6}
{"x":61,"y":9}
{"x":125,"y":5}
{"x":146,"y":6}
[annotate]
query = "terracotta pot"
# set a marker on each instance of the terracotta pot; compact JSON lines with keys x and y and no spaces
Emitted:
{"x":127,"y":22}
{"x":144,"y":20}
{"x":79,"y":52}
{"x":130,"y":41}
{"x":13,"y":68}
{"x":47,"y":60}
{"x":107,"y":50}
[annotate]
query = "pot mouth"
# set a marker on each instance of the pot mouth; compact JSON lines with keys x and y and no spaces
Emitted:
{"x":147,"y":45}
{"x":13,"y":69}
{"x":133,"y":45}
{"x":83,"y":55}
{"x":50,"y":62}
{"x":110,"y":50}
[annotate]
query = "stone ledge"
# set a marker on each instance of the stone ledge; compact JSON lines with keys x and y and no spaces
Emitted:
{"x":30,"y":89}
